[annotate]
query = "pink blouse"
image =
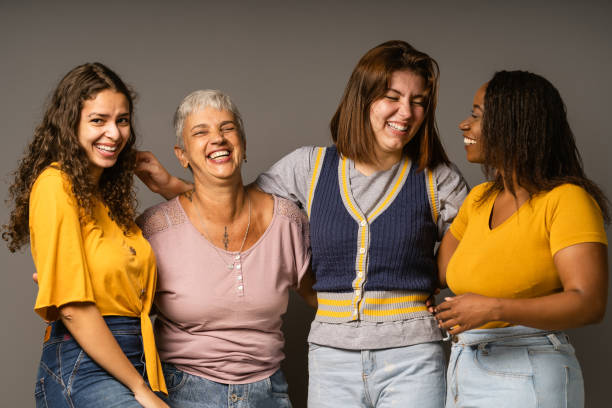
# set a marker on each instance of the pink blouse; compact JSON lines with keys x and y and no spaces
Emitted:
{"x":219,"y":323}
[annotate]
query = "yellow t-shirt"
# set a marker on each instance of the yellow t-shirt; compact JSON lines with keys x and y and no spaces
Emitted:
{"x":94,"y":262}
{"x":515,"y":259}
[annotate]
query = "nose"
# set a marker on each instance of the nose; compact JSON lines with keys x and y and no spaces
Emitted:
{"x":217,"y":137}
{"x":464,"y":124}
{"x":112,"y":131}
{"x":405,"y":109}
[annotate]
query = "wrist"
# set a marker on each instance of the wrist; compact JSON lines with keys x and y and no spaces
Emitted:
{"x":138,"y":385}
{"x":496,"y":309}
{"x":174,"y":187}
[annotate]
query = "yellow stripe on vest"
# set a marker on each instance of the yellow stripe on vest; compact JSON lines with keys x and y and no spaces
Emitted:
{"x":404,"y":310}
{"x":402,"y":299}
{"x":432,"y":194}
{"x":317,"y":167}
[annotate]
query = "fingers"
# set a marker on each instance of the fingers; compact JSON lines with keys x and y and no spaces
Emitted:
{"x":443,"y":306}
{"x":449,"y":324}
{"x":457,"y":329}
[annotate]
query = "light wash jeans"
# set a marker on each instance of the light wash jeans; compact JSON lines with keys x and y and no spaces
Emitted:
{"x":411,"y":376}
{"x":513,"y":367}
{"x":191,"y":391}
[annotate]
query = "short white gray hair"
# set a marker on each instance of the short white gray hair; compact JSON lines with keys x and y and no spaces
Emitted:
{"x":202,"y":99}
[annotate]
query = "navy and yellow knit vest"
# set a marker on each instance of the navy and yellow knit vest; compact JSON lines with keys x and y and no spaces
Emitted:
{"x":390,"y":249}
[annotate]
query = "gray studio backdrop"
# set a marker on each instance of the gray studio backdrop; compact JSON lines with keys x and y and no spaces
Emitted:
{"x":286,"y":64}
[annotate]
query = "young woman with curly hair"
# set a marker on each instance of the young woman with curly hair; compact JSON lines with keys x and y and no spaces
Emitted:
{"x":95,"y":270}
{"x":528,"y":253}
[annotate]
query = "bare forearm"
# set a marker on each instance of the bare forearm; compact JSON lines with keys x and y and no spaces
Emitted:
{"x":559,"y":311}
{"x":445,"y":252}
{"x":176,"y":187}
{"x":89,"y":329}
{"x":306,"y":291}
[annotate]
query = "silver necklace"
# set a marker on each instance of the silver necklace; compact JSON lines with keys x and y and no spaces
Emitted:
{"x":237,"y":258}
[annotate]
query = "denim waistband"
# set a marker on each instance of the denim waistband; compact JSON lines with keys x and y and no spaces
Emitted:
{"x":513,"y":335}
{"x":116,"y":324}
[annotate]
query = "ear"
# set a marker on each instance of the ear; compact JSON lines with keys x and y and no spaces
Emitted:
{"x":180,"y":155}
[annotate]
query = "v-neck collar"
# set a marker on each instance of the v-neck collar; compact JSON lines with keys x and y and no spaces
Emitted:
{"x":349,"y":201}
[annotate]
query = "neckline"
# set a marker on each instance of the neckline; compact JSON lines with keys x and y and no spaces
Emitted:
{"x":353,"y":167}
{"x":346,"y":190}
{"x":222,"y":250}
{"x":507,"y":220}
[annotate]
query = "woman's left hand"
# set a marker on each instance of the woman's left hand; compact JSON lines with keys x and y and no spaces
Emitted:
{"x":465,"y":312}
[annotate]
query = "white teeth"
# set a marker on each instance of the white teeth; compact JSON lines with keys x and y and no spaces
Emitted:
{"x":468,"y":141}
{"x":219,"y":153}
{"x":107,"y":148}
{"x":397,"y":127}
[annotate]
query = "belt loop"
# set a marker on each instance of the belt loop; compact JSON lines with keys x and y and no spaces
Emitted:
{"x":554,"y":340}
{"x":482,"y":347}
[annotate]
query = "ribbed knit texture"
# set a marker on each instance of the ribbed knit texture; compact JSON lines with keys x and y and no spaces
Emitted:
{"x":402,"y":237}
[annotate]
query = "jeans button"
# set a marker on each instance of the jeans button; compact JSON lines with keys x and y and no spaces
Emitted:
{"x":454,"y":338}
{"x":234,"y":397}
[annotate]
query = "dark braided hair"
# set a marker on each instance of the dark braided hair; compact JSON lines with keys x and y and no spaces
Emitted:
{"x":525,"y":135}
{"x":56,"y":140}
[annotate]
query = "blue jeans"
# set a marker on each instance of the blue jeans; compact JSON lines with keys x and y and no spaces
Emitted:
{"x":191,"y":391}
{"x":68,"y":378}
{"x":411,"y":376}
{"x":514,"y":367}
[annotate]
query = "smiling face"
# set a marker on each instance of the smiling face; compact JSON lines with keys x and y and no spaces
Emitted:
{"x":471,"y":127}
{"x":104,"y":129}
{"x":213,"y":146}
{"x":397,"y":116}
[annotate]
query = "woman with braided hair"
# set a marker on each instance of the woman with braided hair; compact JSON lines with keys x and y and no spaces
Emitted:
{"x":526,"y":255}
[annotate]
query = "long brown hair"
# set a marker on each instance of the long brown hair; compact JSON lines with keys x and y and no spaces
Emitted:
{"x":56,"y":140}
{"x":350,"y":126}
{"x":525,"y":133}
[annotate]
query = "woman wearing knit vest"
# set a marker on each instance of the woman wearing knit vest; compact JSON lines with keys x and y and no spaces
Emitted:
{"x":528,"y":253}
{"x":378,"y":200}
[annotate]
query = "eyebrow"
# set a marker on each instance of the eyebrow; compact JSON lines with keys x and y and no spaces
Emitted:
{"x":106,"y":115}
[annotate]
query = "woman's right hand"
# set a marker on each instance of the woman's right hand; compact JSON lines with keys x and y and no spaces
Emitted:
{"x":148,"y":399}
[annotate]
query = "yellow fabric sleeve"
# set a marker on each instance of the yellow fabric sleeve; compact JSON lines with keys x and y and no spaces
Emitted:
{"x":574,"y":217}
{"x":57,"y":246}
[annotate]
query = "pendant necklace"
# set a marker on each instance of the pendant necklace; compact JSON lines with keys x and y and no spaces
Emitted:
{"x":237,"y":262}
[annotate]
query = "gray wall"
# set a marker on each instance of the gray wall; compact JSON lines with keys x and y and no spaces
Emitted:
{"x":286,"y":64}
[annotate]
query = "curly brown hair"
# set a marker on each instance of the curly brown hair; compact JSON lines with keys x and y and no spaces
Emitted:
{"x":56,"y":140}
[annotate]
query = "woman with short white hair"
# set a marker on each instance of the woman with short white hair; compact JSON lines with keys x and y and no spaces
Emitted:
{"x":227,"y":256}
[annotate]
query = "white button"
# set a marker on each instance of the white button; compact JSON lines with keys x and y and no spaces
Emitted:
{"x":237,"y":257}
{"x":240,"y":287}
{"x":355,"y":313}
{"x":238,"y":266}
{"x":358,"y":292}
{"x":362,"y":250}
{"x":363,"y":223}
{"x":360,"y":274}
{"x":239,"y":277}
